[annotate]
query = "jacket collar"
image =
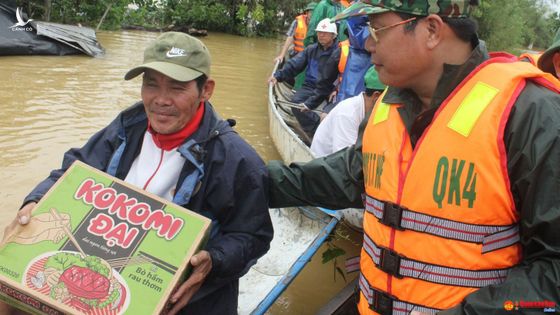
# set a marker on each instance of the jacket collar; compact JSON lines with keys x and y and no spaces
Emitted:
{"x":211,"y":126}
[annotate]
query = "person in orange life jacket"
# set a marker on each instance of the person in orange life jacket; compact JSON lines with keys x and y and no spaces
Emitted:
{"x":549,"y":61}
{"x":320,"y":61}
{"x":173,"y":144}
{"x":457,"y":167}
{"x":296,"y":33}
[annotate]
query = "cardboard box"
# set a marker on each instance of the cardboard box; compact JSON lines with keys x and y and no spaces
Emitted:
{"x":96,"y":245}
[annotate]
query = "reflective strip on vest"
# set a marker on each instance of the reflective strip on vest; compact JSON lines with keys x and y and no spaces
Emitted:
{"x":405,"y":267}
{"x":472,"y":107}
{"x":344,"y":51}
{"x":382,"y":112}
{"x":377,"y":300}
{"x":492,"y":237}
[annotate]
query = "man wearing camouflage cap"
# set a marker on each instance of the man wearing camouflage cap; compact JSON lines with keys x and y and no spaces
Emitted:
{"x":550,"y":59}
{"x":457,"y":168}
{"x":173,"y":144}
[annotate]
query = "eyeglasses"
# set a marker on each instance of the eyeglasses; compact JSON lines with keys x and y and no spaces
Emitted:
{"x":373,"y":31}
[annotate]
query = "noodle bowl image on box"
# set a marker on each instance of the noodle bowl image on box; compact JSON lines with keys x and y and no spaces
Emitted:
{"x":96,"y":245}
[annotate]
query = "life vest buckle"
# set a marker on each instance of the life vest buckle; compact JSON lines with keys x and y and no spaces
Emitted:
{"x":392,"y":216}
{"x":390,"y":262}
{"x":382,"y":303}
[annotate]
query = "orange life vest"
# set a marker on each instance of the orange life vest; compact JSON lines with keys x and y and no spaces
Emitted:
{"x":300,"y":32}
{"x":440,"y":221}
{"x":532,"y":58}
{"x":344,"y":50}
{"x":345,"y":3}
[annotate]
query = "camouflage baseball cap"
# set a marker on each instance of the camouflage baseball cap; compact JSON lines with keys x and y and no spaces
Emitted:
{"x":176,"y":55}
{"x":447,"y":8}
{"x":545,"y":61}
{"x":358,"y":9}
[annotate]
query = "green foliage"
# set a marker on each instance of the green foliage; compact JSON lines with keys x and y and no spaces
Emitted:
{"x":508,"y":25}
{"x":493,"y":29}
{"x":333,"y":252}
{"x":243,"y":17}
{"x":201,"y":14}
{"x":504,"y":24}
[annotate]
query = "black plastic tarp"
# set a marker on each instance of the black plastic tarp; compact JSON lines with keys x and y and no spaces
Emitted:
{"x":42,"y":38}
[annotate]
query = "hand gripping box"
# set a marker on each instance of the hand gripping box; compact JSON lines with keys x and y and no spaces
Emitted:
{"x":96,"y":245}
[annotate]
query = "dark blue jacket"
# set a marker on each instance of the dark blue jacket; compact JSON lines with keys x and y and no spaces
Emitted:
{"x":223,"y":179}
{"x":321,"y":67}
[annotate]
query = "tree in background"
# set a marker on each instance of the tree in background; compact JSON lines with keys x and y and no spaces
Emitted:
{"x":509,"y":25}
{"x":513,"y":25}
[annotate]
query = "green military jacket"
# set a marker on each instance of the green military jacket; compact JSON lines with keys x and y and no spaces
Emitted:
{"x":532,"y":140}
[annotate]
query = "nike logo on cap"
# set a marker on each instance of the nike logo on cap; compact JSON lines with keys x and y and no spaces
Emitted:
{"x":175,"y":52}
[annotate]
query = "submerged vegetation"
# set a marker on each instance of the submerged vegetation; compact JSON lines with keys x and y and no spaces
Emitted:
{"x":504,"y":24}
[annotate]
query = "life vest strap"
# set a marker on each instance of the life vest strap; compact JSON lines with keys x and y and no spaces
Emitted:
{"x":386,"y":304}
{"x":492,"y":237}
{"x":399,"y":266}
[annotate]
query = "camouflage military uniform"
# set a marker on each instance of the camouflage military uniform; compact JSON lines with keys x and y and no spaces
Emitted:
{"x":445,"y":8}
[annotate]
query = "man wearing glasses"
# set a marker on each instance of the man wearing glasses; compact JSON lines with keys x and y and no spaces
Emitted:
{"x":457,"y":167}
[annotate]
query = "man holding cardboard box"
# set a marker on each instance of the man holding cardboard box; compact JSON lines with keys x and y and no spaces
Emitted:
{"x":173,"y":144}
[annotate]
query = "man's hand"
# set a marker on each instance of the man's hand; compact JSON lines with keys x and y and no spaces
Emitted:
{"x":22,"y":218}
{"x":278,"y":59}
{"x":304,"y":108}
{"x":272,"y":80}
{"x":202,"y":264}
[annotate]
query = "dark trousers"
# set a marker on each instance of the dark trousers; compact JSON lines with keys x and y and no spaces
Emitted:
{"x":309,"y":121}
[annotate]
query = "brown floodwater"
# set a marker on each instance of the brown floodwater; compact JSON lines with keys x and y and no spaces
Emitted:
{"x":49,"y":104}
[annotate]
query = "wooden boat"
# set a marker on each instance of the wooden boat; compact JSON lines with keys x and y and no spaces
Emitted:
{"x":292,"y":142}
{"x":344,"y":303}
{"x":298,"y":232}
